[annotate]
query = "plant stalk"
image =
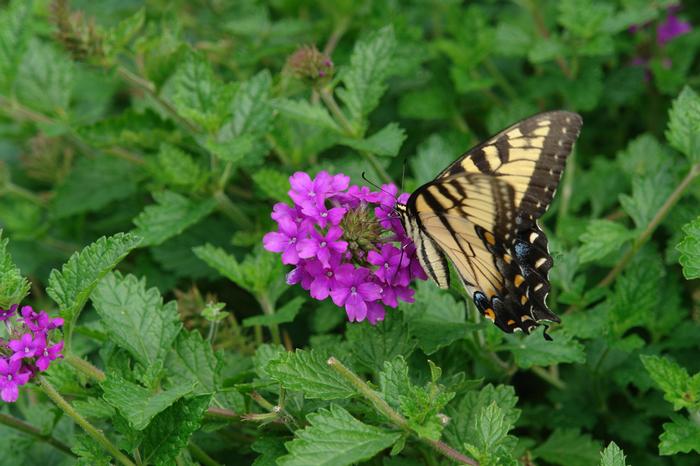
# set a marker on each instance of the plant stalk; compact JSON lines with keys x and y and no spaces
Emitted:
{"x":29,"y":429}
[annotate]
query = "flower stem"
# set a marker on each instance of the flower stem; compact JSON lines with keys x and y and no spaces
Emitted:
{"x":91,"y":430}
{"x":646,"y":234}
{"x":201,"y":455}
{"x":231,"y":210}
{"x":268,"y":310}
{"x":396,"y":418}
{"x":85,"y":368}
{"x":548,"y":377}
{"x":29,"y":429}
{"x":221,"y":414}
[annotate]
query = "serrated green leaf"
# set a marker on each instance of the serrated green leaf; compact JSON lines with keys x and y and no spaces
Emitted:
{"x":433,"y":152}
{"x":270,"y":448}
{"x":683,"y":131}
{"x":172,"y":214}
{"x":534,"y":350}
{"x":14,"y":32}
{"x":387,"y":141}
{"x":107,"y":179}
{"x":648,"y":195}
{"x":71,"y":287}
{"x":170,"y":431}
{"x":601,"y":238}
{"x":273,"y":183}
{"x":193,"y":359}
{"x":44,"y":79}
{"x":197,"y":93}
{"x":490,"y":428}
{"x":644,"y":156}
{"x":130,"y":128}
{"x":584,"y":18}
{"x":283,"y":315}
{"x":336,"y":438}
{"x":309,"y":372}
{"x":307,"y":112}
{"x":120,"y":35}
{"x":394,"y":381}
{"x":681,"y":435}
{"x":679,"y":388}
{"x":95,"y":408}
{"x":568,"y":447}
{"x":260,"y":272}
{"x":423,"y":406}
{"x":136,"y":318}
{"x":372,"y":345}
{"x":364,"y":79}
{"x":251,"y":112}
{"x":177,"y":168}
{"x":13,"y":286}
{"x":689,"y":248}
{"x":137,"y":404}
{"x":612,"y":456}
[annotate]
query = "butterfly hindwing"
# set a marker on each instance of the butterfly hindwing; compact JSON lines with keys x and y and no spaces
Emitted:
{"x":482,"y":211}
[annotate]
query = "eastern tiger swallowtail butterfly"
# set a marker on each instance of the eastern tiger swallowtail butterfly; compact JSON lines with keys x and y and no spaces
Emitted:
{"x":482,"y":211}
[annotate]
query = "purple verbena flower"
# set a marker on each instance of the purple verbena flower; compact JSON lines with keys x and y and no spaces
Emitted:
{"x":26,"y":347}
{"x":671,"y":28}
{"x":48,"y":354}
{"x":353,"y":291}
{"x":346,"y":243}
{"x":7,"y":313}
{"x":12,"y":376}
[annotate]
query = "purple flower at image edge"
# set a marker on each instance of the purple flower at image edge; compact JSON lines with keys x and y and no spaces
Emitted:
{"x":671,"y":28}
{"x":11,"y":378}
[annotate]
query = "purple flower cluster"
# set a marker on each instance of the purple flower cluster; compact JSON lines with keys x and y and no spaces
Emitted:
{"x":27,"y":350}
{"x":346,"y":243}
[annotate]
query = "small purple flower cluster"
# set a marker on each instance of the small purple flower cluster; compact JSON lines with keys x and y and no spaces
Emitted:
{"x":28,"y":350}
{"x":346,"y":243}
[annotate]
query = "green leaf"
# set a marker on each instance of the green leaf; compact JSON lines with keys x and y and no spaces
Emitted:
{"x":648,"y":195}
{"x":171,"y":215}
{"x":309,"y":372}
{"x":107,"y":179}
{"x":568,"y":447}
{"x":307,"y":112}
{"x":13,"y":286}
{"x":602,"y":237}
{"x":71,"y":287}
{"x":95,"y":408}
{"x":490,"y":429}
{"x":44,"y":79}
{"x":251,"y":112}
{"x":170,"y":431}
{"x":387,"y":141}
{"x":193,"y":360}
{"x":177,"y":168}
{"x":612,"y":456}
{"x":423,"y":406}
{"x":270,"y":448}
{"x":119,"y":36}
{"x":584,"y":18}
{"x":679,"y":388}
{"x":129,"y":128}
{"x":689,"y":248}
{"x":283,"y":315}
{"x":432,"y":103}
{"x":336,"y":438}
{"x":197,"y":94}
{"x":136,"y":318}
{"x":394,"y":381}
{"x":259,"y":273}
{"x":680,"y":436}
{"x":534,"y":350}
{"x":137,"y":404}
{"x":433,"y":152}
{"x":364,"y":78}
{"x":683,"y":132}
{"x":435,"y":319}
{"x":15,"y":30}
{"x":273,"y":183}
{"x":372,"y":345}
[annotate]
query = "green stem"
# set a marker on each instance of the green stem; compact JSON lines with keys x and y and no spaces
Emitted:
{"x":29,"y":429}
{"x":18,"y":191}
{"x":396,"y":419}
{"x":231,"y":210}
{"x":221,"y":414}
{"x":201,"y":455}
{"x":646,"y":234}
{"x":85,"y":367}
{"x":330,"y":102}
{"x":269,"y":310}
{"x":91,"y":430}
{"x":548,"y":377}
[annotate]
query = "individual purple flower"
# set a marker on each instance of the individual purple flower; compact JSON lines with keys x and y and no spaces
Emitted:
{"x":324,"y":278}
{"x":12,"y":376}
{"x":353,"y":291}
{"x":323,"y":246}
{"x":671,"y":28}
{"x":7,"y":313}
{"x":26,"y":347}
{"x":48,"y":354}
{"x":375,"y":312}
{"x":285,"y":240}
{"x":390,"y":295}
{"x":41,"y":322}
{"x":391,"y":265}
{"x":323,"y":215}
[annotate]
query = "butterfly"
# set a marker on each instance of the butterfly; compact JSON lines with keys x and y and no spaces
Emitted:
{"x":481,"y":212}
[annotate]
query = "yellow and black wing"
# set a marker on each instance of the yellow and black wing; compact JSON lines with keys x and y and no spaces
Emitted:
{"x":481,"y":212}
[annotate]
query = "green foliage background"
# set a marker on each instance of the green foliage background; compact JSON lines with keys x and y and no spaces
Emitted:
{"x":154,"y":137}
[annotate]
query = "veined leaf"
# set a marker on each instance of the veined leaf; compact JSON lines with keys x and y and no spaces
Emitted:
{"x":336,"y":438}
{"x":612,"y":456}
{"x":387,"y":141}
{"x":534,"y":350}
{"x":689,"y":248}
{"x":193,"y":359}
{"x":13,"y":286}
{"x":568,"y":447}
{"x":44,"y":79}
{"x":15,"y":30}
{"x":680,"y":436}
{"x":307,"y":112}
{"x":601,"y":238}
{"x":679,"y":388}
{"x":683,"y":131}
{"x":136,"y":318}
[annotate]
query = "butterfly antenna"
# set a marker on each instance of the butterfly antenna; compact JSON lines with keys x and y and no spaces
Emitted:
{"x":403,"y":171}
{"x":376,"y":186}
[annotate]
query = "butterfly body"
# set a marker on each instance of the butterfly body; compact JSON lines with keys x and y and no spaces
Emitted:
{"x":481,"y":212}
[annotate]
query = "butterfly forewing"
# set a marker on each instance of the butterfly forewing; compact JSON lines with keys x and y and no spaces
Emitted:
{"x":482,"y":213}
